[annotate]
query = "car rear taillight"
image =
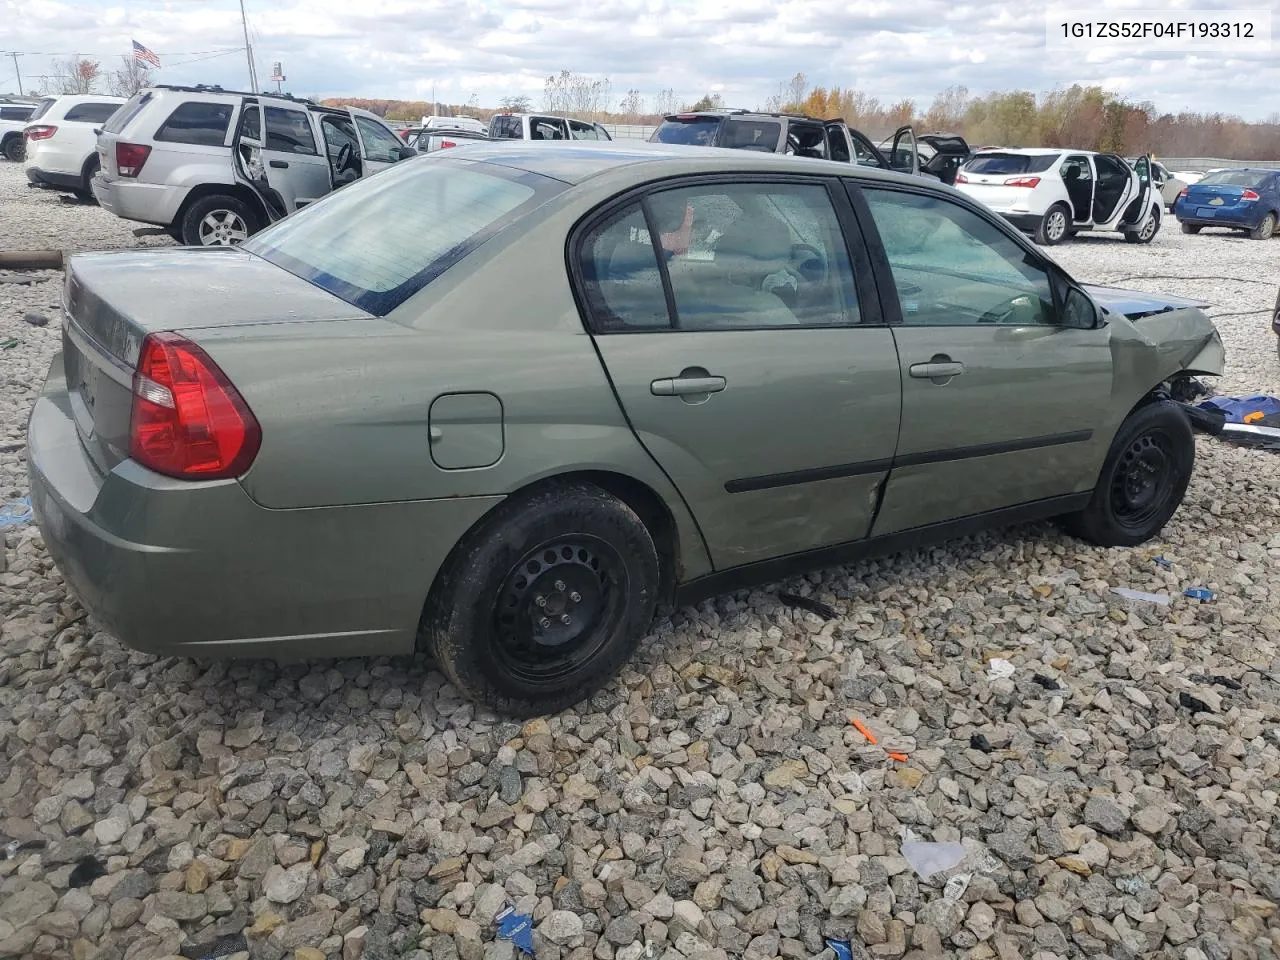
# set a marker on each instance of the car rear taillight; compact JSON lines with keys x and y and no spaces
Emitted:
{"x":188,"y":421}
{"x":1249,"y":195}
{"x":1022,"y":181}
{"x":961,"y":178}
{"x":130,"y":157}
{"x":445,"y":144}
{"x":42,"y":132}
{"x":1183,"y":191}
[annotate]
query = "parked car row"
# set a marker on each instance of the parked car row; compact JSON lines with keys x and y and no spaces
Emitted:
{"x":60,"y":141}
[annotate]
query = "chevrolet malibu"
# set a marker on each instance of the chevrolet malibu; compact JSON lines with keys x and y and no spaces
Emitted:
{"x":498,"y":403}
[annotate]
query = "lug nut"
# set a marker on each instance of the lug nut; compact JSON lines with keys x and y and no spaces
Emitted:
{"x":540,"y":601}
{"x":544,"y":623}
{"x":575,"y":597}
{"x":566,"y":619}
{"x":559,"y":584}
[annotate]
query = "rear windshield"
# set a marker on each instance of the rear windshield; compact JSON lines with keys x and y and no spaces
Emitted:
{"x":378,"y":241}
{"x":16,"y":113}
{"x":1235,"y":178}
{"x":43,"y":108}
{"x":120,"y":119}
{"x":699,"y":131}
{"x":1011,"y":163}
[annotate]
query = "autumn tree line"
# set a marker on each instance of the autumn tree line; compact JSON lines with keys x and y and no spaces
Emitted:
{"x":1089,"y":118}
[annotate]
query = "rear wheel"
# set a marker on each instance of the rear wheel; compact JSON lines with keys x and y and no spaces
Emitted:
{"x":1148,"y":231}
{"x":543,"y":604}
{"x":14,"y":148}
{"x":219,"y":220}
{"x":1265,"y":228}
{"x":1054,"y":225}
{"x":91,"y":168}
{"x":1191,"y":228}
{"x":1143,"y":480}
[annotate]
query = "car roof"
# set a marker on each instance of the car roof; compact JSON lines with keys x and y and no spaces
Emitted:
{"x":578,"y":160}
{"x":1030,"y":151}
{"x":85,"y":98}
{"x":722,"y":112}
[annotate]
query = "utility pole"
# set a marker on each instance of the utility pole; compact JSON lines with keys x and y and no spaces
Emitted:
{"x":248,"y":50}
{"x":18,"y":71}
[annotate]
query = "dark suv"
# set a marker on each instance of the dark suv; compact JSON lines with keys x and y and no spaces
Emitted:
{"x":770,"y":133}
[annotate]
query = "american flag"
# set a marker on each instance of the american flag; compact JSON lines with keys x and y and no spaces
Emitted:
{"x":142,"y":53}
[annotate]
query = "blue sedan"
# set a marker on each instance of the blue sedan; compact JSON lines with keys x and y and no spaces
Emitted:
{"x":1241,"y":199}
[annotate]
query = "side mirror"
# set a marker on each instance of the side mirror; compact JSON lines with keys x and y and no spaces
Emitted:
{"x":1079,"y":312}
{"x":406,"y":152}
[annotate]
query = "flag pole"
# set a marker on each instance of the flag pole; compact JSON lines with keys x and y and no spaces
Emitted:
{"x":248,"y":50}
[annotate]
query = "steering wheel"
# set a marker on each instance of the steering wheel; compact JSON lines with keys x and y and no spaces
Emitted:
{"x":345,"y":155}
{"x":809,"y":262}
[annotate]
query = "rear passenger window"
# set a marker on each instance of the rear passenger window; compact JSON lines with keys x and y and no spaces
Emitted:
{"x":202,"y":124}
{"x":751,"y":135}
{"x":16,"y":113}
{"x":622,"y":282}
{"x":92,"y":112}
{"x":289,"y":131}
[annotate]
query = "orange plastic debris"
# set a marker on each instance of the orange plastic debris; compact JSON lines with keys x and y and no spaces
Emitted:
{"x":900,"y":757}
{"x":861,"y":728}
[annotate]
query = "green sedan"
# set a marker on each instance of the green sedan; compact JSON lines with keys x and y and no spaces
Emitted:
{"x":498,"y":403}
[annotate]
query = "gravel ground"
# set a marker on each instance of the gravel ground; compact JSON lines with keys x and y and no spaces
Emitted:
{"x":1116,"y":795}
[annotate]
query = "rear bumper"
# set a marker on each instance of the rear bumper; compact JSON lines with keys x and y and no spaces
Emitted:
{"x":156,"y":203}
{"x":55,"y":181}
{"x":1023,"y":221}
{"x":1234,"y":219}
{"x":200,"y":569}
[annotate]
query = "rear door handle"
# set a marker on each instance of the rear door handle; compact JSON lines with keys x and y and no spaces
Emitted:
{"x":686,"y":386}
{"x":936,"y":370}
{"x":279,"y":164}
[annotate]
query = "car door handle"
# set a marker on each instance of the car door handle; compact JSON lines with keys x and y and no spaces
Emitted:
{"x":686,"y":386}
{"x":280,"y":164}
{"x":936,"y":370}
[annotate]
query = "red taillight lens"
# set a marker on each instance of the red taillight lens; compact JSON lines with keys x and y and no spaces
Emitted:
{"x":42,"y":132}
{"x":1249,"y":195}
{"x":130,"y":157}
{"x":1183,"y":192}
{"x":1022,"y":181}
{"x":961,"y":178}
{"x":445,"y":144}
{"x":188,"y":421}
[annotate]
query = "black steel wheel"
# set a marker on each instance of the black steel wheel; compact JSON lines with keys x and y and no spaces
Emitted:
{"x":544,"y":601}
{"x":1143,"y":479}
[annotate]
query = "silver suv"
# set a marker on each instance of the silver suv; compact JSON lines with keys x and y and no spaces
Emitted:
{"x":213,"y":166}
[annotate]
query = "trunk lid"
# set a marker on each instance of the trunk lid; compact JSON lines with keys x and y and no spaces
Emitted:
{"x":111,"y":301}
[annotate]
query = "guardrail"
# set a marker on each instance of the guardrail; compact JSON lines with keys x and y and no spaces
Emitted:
{"x":1201,"y":164}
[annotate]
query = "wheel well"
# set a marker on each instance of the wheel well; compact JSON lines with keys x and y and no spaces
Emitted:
{"x":86,"y":169}
{"x":237,"y":190}
{"x":640,"y":497}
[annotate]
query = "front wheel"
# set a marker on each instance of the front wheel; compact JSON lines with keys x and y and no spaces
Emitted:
{"x":218,"y":221}
{"x":1143,"y":480}
{"x":1053,"y":226}
{"x":1265,"y":228}
{"x":544,"y":603}
{"x":1148,"y":231}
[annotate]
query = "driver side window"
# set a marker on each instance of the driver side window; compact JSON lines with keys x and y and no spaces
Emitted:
{"x":954,"y":268}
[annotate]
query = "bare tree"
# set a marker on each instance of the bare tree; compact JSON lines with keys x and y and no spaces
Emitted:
{"x":74,"y":75}
{"x":516,"y":104}
{"x":796,"y":88}
{"x":665,"y":102}
{"x":132,"y":76}
{"x":574,"y":93}
{"x":632,"y":105}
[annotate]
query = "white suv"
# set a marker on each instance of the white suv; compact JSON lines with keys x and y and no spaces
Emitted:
{"x":61,"y":141}
{"x":1053,"y":193}
{"x":541,"y":126}
{"x":14,"y":116}
{"x":212,"y":166}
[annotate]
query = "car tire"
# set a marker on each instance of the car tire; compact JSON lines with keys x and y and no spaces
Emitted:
{"x":1143,"y":479}
{"x":219,"y":220}
{"x":1192,"y":228}
{"x":90,"y":170}
{"x":1147,"y":233}
{"x":1054,"y":226}
{"x":493,"y":621}
{"x":15,"y":149}
{"x":1265,"y":228}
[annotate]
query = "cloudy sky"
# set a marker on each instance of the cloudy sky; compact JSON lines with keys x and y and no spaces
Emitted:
{"x":741,"y":49}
